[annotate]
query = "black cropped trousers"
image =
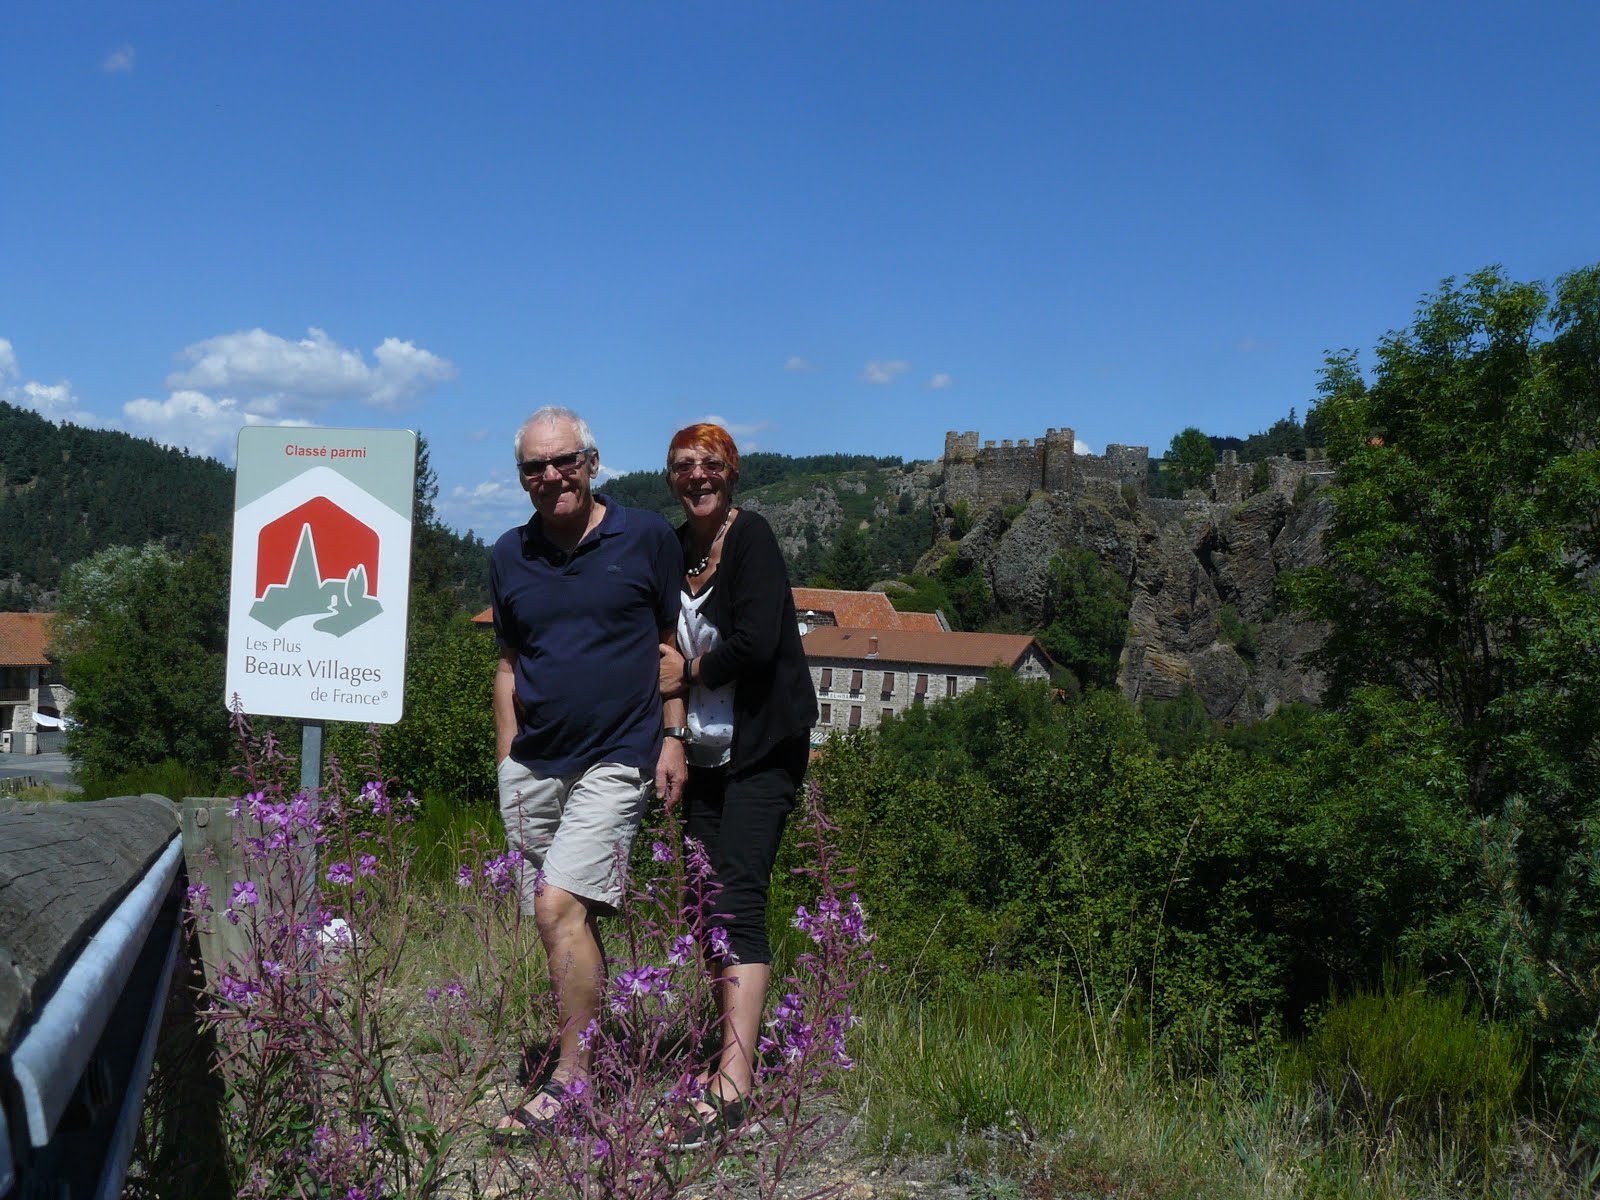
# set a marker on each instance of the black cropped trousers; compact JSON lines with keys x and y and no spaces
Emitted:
{"x":739,"y":818}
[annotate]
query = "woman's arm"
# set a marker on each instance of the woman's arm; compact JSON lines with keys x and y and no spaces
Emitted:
{"x":758,"y":583}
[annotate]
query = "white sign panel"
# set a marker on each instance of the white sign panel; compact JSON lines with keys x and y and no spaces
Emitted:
{"x":321,"y":573}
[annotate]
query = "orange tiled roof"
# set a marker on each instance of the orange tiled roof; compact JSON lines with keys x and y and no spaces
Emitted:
{"x":919,"y":646}
{"x":861,"y":610}
{"x":23,"y":638}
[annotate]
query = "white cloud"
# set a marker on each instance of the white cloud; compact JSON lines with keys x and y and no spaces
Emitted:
{"x":119,"y":61}
{"x":744,"y":433}
{"x":795,"y":363}
{"x":194,"y":421}
{"x":274,"y":375}
{"x":54,"y":401}
{"x":1079,"y":446}
{"x":941,"y":381}
{"x":492,"y":506}
{"x":1249,"y":345}
{"x":881,"y":371}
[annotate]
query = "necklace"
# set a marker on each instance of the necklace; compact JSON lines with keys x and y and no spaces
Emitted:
{"x":698,"y":569}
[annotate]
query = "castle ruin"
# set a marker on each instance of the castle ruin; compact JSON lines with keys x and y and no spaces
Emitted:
{"x":1010,"y":473}
{"x":987,"y":475}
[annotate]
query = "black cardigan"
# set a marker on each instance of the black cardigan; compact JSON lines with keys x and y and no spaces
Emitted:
{"x":760,"y":653}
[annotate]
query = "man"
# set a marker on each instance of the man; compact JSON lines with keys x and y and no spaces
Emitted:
{"x":583,"y":594}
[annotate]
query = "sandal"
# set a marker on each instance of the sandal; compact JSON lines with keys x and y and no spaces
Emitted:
{"x":727,"y":1118}
{"x":529,"y":1128}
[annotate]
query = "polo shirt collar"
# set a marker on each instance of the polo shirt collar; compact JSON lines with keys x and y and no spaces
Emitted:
{"x":613,"y":520}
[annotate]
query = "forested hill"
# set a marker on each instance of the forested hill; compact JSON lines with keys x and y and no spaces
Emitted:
{"x":67,"y":492}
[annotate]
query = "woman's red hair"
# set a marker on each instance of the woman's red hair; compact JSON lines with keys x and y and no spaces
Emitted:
{"x":708,"y":439}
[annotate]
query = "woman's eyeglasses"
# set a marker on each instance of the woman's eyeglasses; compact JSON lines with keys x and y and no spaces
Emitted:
{"x":685,"y":467}
{"x":567,"y":464}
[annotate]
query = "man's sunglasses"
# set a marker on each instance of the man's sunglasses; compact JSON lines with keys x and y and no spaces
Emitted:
{"x":567,"y":464}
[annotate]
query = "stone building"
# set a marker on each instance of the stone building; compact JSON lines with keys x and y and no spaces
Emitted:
{"x":865,"y":675}
{"x":32,"y":696}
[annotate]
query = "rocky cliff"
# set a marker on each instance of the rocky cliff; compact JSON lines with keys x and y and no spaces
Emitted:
{"x":1202,"y":580}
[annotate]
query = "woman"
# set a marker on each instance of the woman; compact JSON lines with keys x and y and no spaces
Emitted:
{"x":751,"y":706}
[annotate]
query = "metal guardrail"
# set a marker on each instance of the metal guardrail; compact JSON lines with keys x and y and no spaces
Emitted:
{"x":83,"y":1017}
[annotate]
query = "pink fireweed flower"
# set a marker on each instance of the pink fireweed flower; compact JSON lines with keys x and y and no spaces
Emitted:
{"x":500,"y":873}
{"x":720,"y":947}
{"x":464,"y":874}
{"x":587,"y":1035}
{"x":660,"y":852}
{"x":367,"y":864}
{"x":638,"y":983}
{"x":375,"y":797}
{"x":244,"y":894}
{"x":199,"y":897}
{"x":682,"y":950}
{"x":340,"y":873}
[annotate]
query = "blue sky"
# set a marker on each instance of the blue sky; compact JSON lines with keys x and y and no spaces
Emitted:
{"x":831,"y":226}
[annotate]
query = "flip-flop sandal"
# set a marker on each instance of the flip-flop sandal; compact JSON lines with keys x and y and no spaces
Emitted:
{"x":727,"y":1118}
{"x":529,"y":1128}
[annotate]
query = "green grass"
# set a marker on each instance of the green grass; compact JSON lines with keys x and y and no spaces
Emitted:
{"x":1058,"y":1099}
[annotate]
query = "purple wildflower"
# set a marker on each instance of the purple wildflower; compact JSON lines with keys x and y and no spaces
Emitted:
{"x":340,"y":873}
{"x":500,"y":872}
{"x":242,"y":993}
{"x":682,"y":950}
{"x":244,"y":894}
{"x":720,"y":947}
{"x":660,"y":852}
{"x":599,"y":1148}
{"x":367,"y":864}
{"x":199,"y":897}
{"x":374,"y":795}
{"x":464,"y":875}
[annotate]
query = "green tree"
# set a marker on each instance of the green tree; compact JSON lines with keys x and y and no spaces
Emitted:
{"x":140,"y":643}
{"x":1467,"y":523}
{"x":1192,"y":457}
{"x":849,"y":566}
{"x":1086,"y":616}
{"x":1461,"y":568}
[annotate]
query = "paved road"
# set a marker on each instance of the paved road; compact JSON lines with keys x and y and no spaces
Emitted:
{"x":55,"y":768}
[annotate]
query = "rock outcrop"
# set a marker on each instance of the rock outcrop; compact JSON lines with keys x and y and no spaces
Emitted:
{"x":1202,"y":582}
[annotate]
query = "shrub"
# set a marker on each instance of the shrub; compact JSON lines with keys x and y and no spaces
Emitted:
{"x":1237,"y":631}
{"x":1403,"y":1055}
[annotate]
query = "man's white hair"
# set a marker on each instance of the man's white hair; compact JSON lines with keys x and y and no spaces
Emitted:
{"x":552,"y":414}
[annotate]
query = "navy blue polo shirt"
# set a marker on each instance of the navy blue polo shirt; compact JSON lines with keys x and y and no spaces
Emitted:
{"x":585,"y":628}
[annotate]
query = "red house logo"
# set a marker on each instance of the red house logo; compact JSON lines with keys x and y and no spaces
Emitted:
{"x":317,"y":559}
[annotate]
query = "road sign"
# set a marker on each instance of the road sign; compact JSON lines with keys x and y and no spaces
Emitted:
{"x":321,"y":573}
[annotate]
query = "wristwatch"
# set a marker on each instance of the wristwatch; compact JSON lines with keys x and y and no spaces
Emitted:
{"x":677,"y":731}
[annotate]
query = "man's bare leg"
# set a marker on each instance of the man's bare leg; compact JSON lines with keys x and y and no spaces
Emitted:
{"x":570,"y":933}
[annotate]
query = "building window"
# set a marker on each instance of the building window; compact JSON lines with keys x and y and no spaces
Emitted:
{"x":855,"y":683}
{"x":887,"y":713}
{"x":827,"y":679}
{"x":980,"y":681}
{"x":825,"y":716}
{"x":855,"y":716}
{"x":921,"y":693}
{"x":949,"y":685}
{"x":888,"y":684}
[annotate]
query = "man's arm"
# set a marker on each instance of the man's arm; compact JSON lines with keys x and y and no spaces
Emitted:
{"x":505,"y":705}
{"x":672,"y":770}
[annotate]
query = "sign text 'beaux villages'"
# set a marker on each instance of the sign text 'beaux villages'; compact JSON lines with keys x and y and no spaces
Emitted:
{"x":321,"y":572}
